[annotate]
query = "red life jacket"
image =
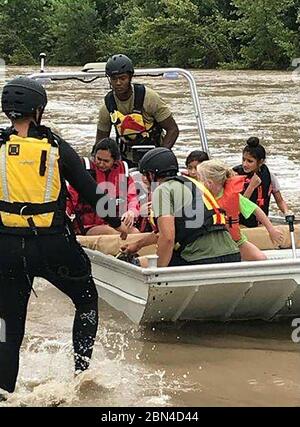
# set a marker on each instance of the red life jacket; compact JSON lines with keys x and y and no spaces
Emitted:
{"x":85,"y":216}
{"x":230,"y":202}
{"x":118,"y":176}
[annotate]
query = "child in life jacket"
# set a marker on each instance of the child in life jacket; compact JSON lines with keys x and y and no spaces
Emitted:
{"x":145,"y":222}
{"x":226,"y":187}
{"x":192,"y":161}
{"x":259,"y":183}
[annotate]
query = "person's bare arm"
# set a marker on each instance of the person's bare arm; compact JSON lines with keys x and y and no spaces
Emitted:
{"x":146,"y":240}
{"x":166,"y":240}
{"x":276,"y":235}
{"x":172,"y":132}
{"x":281,"y":203}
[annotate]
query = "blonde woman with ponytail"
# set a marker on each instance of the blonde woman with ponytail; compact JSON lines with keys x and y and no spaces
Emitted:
{"x":226,"y":188}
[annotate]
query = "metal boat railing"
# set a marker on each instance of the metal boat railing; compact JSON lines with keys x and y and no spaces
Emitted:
{"x":90,"y":75}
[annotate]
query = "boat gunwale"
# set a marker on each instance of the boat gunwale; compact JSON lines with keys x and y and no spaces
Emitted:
{"x":214,"y":272}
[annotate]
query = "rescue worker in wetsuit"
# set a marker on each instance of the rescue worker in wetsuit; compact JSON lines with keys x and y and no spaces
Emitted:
{"x":36,"y":239}
{"x":140,"y":117}
{"x":191,"y":229}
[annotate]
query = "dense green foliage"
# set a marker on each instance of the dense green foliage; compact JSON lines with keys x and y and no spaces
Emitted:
{"x":185,"y":33}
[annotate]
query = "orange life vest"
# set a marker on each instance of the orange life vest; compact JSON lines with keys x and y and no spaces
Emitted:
{"x":230,"y":202}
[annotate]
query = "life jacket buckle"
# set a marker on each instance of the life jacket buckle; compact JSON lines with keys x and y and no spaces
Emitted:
{"x":22,"y":210}
{"x":177,"y":246}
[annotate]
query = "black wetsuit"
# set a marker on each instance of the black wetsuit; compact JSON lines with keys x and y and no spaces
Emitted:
{"x":57,"y":257}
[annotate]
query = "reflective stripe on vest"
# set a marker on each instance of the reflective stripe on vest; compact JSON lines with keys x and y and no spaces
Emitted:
{"x":87,"y":163}
{"x":126,"y":169}
{"x":210,"y":202}
{"x":4,"y":174}
{"x":30,"y":182}
{"x":52,"y":161}
{"x":214,"y":219}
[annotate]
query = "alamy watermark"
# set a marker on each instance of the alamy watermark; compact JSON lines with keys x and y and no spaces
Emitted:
{"x":2,"y":331}
{"x":296,"y":331}
{"x":118,"y":199}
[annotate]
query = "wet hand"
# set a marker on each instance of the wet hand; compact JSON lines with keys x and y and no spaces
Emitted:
{"x":255,"y":181}
{"x":123,"y":231}
{"x":128,"y":219}
{"x":276,"y":236}
{"x":130,"y":248}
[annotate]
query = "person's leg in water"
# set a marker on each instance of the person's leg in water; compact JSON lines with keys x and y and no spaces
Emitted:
{"x":85,"y":298}
{"x":14,"y":296}
{"x":15,"y":289}
{"x":69,"y":271}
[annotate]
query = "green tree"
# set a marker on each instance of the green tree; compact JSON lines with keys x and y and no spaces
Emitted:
{"x":72,"y":34}
{"x":265,"y":40}
{"x":186,"y":33}
{"x":22,"y":27}
{"x":110,"y":14}
{"x":162,"y":35}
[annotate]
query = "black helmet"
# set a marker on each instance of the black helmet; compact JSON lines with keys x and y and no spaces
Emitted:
{"x":159,"y":161}
{"x":22,"y":96}
{"x":118,"y":64}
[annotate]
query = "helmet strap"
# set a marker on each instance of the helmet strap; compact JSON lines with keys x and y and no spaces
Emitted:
{"x":130,"y":81}
{"x":108,"y":78}
{"x":39,"y":115}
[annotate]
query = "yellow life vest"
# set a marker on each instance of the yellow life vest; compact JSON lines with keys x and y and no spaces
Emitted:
{"x":214,"y":218}
{"x":130,"y":125}
{"x":30,"y":182}
{"x":132,"y":128}
{"x":210,"y":203}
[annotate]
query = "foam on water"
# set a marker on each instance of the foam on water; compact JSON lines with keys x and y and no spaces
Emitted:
{"x":46,"y":373}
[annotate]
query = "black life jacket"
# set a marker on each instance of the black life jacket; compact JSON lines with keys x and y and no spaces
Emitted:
{"x":214,"y":219}
{"x":261,"y":195}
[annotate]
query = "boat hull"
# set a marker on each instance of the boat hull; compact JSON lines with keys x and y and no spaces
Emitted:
{"x":268,"y":290}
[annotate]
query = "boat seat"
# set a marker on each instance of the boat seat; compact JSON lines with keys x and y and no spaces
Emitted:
{"x":260,"y":237}
{"x":110,"y":245}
